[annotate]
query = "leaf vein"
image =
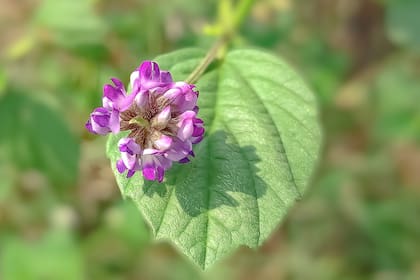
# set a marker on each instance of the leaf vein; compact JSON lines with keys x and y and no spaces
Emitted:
{"x":165,"y":210}
{"x":253,"y":180}
{"x":253,"y":91}
{"x":288,"y":89}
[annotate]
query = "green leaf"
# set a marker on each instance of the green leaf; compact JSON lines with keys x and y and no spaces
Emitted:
{"x":72,"y":24}
{"x":261,"y":144}
{"x":34,"y":136}
{"x":403,"y":21}
{"x":55,"y":256}
{"x":396,"y":92}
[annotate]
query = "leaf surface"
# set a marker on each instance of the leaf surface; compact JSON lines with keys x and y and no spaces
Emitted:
{"x":261,"y":144}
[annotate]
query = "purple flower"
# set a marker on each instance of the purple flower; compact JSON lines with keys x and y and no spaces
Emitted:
{"x":107,"y":118}
{"x":161,"y":116}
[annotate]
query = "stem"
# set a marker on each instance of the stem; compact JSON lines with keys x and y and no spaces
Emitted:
{"x":211,"y":55}
{"x":241,"y":12}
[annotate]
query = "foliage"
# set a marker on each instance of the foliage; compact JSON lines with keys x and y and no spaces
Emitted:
{"x":49,"y":147}
{"x":262,"y":143}
{"x":61,"y":215}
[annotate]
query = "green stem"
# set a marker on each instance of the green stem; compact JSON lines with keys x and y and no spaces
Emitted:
{"x":241,"y":12}
{"x":211,"y":55}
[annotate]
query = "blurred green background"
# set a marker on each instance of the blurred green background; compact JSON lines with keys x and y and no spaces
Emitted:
{"x":61,"y":215}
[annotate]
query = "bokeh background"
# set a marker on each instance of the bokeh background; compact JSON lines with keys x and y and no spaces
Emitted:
{"x":61,"y":215}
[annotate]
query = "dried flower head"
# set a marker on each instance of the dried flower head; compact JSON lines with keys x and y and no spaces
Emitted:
{"x":161,"y":116}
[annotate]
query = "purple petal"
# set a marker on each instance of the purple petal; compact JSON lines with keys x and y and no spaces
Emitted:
{"x":113,"y":97}
{"x":100,"y":117}
{"x":99,"y":121}
{"x":160,"y":173}
{"x":149,"y":71}
{"x":142,"y":99}
{"x":130,"y":173}
{"x":186,"y":125}
{"x":165,"y":77}
{"x":184,"y":160}
{"x":129,"y":160}
{"x":149,"y":173}
{"x":117,"y":83}
{"x":196,"y":140}
{"x":148,"y":152}
{"x":88,"y":126}
{"x":121,"y":166}
{"x":182,"y":97}
{"x":186,"y":130}
{"x":198,"y":131}
{"x":178,"y":150}
{"x":161,"y":120}
{"x":149,"y":165}
{"x":163,"y":143}
{"x":126,"y":103}
{"x":134,"y":81}
{"x":130,"y":153}
{"x":164,"y":162}
{"x":112,"y":93}
{"x":172,"y":93}
{"x":154,"y":165}
{"x":114,"y":122}
{"x":129,"y":145}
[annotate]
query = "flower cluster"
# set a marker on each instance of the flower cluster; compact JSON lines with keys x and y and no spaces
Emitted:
{"x":161,"y":116}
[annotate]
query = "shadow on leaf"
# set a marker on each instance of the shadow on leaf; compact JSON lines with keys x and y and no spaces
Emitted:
{"x":220,"y":170}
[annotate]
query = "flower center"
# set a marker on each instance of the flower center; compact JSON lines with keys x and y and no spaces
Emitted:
{"x":140,"y":121}
{"x":142,"y":124}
